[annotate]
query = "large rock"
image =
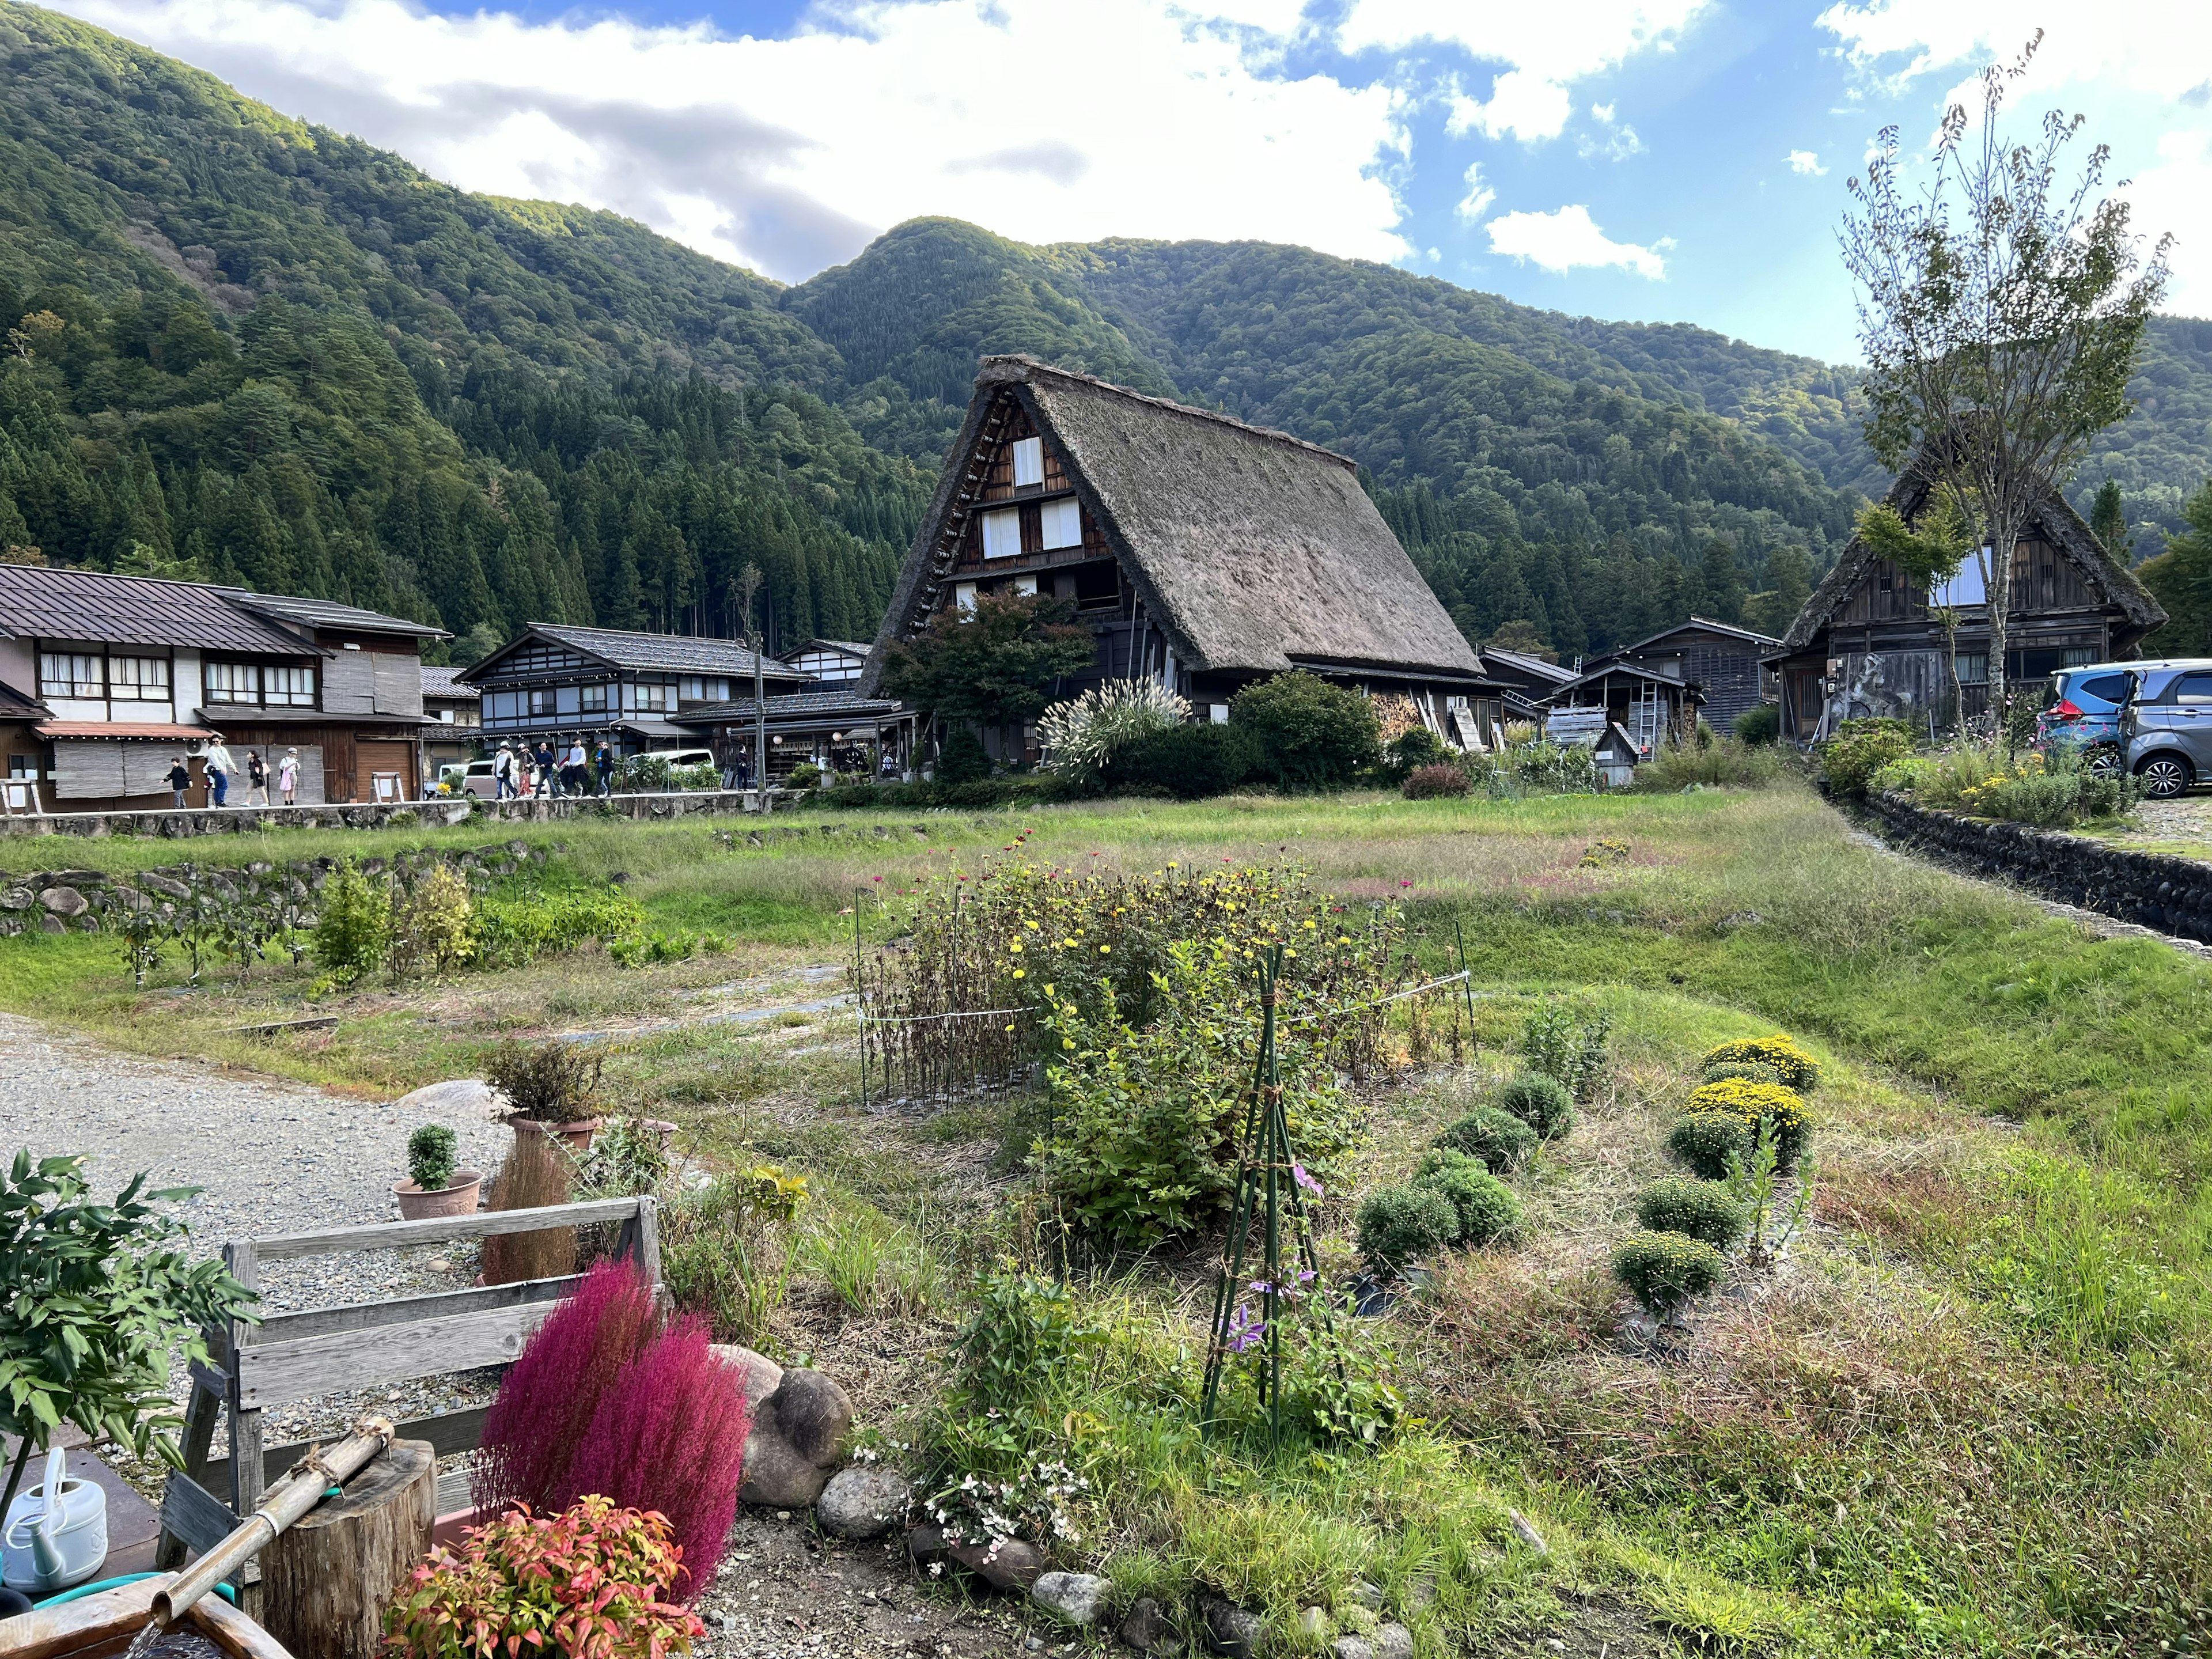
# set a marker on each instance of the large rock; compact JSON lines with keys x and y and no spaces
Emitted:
{"x":456,"y":1095}
{"x":1148,"y":1630}
{"x":763,"y":1377}
{"x":1008,"y":1565}
{"x":926,"y":1543}
{"x":63,"y":900}
{"x":863,"y":1503}
{"x":1394,"y":1642}
{"x":1350,"y":1647}
{"x":1075,"y":1598}
{"x":797,"y":1433}
{"x":1230,"y":1630}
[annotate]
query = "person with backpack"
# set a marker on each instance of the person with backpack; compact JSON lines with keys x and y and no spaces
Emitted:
{"x":503,"y":773}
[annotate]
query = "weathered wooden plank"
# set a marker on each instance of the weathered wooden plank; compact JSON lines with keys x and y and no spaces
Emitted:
{"x":193,"y":1513}
{"x":454,"y":1494}
{"x":365,"y":1316}
{"x":448,"y":1432}
{"x":276,"y":1373}
{"x":395,"y":1235}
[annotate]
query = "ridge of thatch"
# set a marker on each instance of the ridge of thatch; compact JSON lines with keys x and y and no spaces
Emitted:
{"x":1249,"y":547}
{"x":2054,"y":515}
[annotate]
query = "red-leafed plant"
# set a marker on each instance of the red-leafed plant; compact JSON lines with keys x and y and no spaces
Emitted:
{"x":591,"y":1583}
{"x":553,"y":1390}
{"x":670,"y":1435}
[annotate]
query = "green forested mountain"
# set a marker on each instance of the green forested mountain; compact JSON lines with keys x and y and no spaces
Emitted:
{"x":254,"y":347}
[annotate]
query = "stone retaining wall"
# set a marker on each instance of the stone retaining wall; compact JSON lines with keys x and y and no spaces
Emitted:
{"x":540,"y":809}
{"x":2152,"y":890}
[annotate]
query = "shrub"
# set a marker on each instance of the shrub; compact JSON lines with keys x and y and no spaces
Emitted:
{"x":1415,"y":750}
{"x":431,"y":925}
{"x":1709,"y":1141}
{"x":550,"y":1081}
{"x":669,"y":1435}
{"x":1500,"y":1140}
{"x":589,"y":1580}
{"x":1020,"y":1344}
{"x":1398,"y":1224}
{"x":549,"y":1394}
{"x":517,"y":928}
{"x":1730,"y":763}
{"x":431,"y":1152}
{"x":726,"y":1250}
{"x":626,"y":1158}
{"x":1084,"y":734}
{"x":537,"y":1172}
{"x":1664,"y":1270}
{"x":1701,"y":1209}
{"x":1759,"y":725}
{"x":804,"y":776}
{"x":1753,"y":1104}
{"x":350,"y":932}
{"x":2054,"y":792}
{"x":1561,"y":1044}
{"x":962,"y":758}
{"x":1311,"y":735}
{"x":1799,"y":1070}
{"x":1751,"y":1071}
{"x":1485,"y":1205}
{"x":1859,"y":750}
{"x":1542,"y":1102}
{"x":1187,"y":761}
{"x":1433,"y":782}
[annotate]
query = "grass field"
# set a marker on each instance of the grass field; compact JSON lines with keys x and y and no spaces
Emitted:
{"x":1967,"y":1415}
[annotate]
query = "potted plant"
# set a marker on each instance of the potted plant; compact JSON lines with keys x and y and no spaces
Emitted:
{"x":550,"y":1089}
{"x":592,"y":1580}
{"x":436,"y":1188}
{"x":98,"y":1297}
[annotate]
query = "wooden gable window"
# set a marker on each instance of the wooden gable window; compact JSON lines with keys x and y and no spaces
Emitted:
{"x":1002,"y":533}
{"x":1063,"y":523}
{"x":1029,"y":462}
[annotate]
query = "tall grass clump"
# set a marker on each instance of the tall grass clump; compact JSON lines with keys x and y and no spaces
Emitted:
{"x":727,"y":1249}
{"x":1710,"y":763}
{"x":1082,"y":736}
{"x":538,"y":1171}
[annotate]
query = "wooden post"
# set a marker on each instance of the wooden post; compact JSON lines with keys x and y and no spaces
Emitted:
{"x":328,"y":1579}
{"x":199,"y":1438}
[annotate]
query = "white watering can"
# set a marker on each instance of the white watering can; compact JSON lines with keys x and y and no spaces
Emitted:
{"x":57,"y":1532}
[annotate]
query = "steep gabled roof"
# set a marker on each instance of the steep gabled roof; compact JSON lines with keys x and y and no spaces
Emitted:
{"x":2059,"y":523}
{"x":1520,"y":662}
{"x":624,"y":648}
{"x":1249,"y":547}
{"x":1703,"y":624}
{"x":98,"y":608}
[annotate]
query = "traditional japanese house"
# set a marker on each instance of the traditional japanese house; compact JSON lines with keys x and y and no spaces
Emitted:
{"x":1717,"y":662}
{"x":110,"y":679}
{"x":835,"y":728}
{"x":1203,"y":552}
{"x":556,"y":682}
{"x":453,"y":721}
{"x":1649,"y":706}
{"x":1868,"y":643}
{"x":833,"y":662}
{"x":1526,"y":680}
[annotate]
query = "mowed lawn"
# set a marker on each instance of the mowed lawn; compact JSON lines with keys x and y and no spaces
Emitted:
{"x":1966,"y":1416}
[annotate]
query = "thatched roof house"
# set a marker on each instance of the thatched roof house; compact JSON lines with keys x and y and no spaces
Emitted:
{"x":1866,"y":644}
{"x":1205,"y":553}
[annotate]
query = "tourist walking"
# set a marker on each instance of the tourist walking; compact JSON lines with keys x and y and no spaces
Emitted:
{"x":544,"y":762}
{"x":288,"y":776}
{"x":571,"y":768}
{"x":181,"y":778}
{"x":257,"y":779}
{"x":215,"y":761}
{"x":603,"y":762}
{"x":502,"y":772}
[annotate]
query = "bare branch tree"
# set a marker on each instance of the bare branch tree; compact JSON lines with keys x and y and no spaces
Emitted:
{"x":2000,"y":310}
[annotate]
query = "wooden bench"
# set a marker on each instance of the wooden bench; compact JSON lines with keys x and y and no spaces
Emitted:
{"x":364,"y":1345}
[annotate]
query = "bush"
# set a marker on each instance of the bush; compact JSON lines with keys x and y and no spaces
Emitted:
{"x":1432,"y":782}
{"x":1664,"y":1270}
{"x":1415,"y":750}
{"x":1798,"y":1069}
{"x":1701,"y":1209}
{"x":1485,"y":1205}
{"x":1759,"y":725}
{"x":1561,"y":1044}
{"x":1859,"y":750}
{"x":1398,"y":1224}
{"x":962,"y":758}
{"x":350,"y":932}
{"x":726,"y":1250}
{"x":1730,"y":763}
{"x":1754,"y":1103}
{"x":1311,"y":734}
{"x":1187,"y":761}
{"x":1542,"y":1102}
{"x":1021,"y":1343}
{"x":550,"y":1081}
{"x":590,"y":1580}
{"x":804,"y":776}
{"x":1709,"y":1142}
{"x":1084,"y":735}
{"x":431,"y":1152}
{"x":1500,"y":1140}
{"x":1750,"y":1071}
{"x":516,"y":928}
{"x":2057,"y":792}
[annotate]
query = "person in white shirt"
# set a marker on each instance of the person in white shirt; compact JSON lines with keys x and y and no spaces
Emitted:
{"x":215,"y":761}
{"x":287,"y":775}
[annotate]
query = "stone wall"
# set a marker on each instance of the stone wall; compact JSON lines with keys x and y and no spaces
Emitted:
{"x":2152,"y":889}
{"x":244,"y":820}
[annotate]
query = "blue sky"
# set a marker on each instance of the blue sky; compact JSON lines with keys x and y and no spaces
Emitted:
{"x":1656,"y":160}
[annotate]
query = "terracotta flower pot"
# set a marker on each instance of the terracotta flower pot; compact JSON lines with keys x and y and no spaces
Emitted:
{"x":662,"y":1130}
{"x":578,"y":1135}
{"x":457,"y":1197}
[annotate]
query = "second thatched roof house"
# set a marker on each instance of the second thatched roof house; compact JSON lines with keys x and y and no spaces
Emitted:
{"x":1205,"y":553}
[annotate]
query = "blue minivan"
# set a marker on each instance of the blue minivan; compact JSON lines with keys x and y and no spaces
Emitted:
{"x":2085,"y":713}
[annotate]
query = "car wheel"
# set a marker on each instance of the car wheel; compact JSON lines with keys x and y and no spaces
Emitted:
{"x":2105,"y":761}
{"x":2164,"y":776}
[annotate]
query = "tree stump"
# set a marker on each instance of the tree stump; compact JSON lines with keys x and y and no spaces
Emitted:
{"x":328,"y":1579}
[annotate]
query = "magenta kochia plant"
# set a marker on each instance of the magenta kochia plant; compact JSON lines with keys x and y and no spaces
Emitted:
{"x":552,"y":1392}
{"x":670,"y":1435}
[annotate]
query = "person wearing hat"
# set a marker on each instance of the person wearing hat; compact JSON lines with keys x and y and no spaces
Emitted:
{"x":215,"y":761}
{"x":287,"y":775}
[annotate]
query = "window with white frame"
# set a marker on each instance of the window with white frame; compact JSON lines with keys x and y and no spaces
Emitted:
{"x":1029,"y":462}
{"x":234,"y":682}
{"x":1002,"y":533}
{"x":72,"y":674}
{"x":1063,"y":524}
{"x":595,"y":699}
{"x":138,"y":679}
{"x":294,"y":687}
{"x":1973,"y":668}
{"x":652,"y":694}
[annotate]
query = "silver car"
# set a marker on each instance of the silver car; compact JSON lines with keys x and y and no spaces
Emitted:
{"x":2168,"y":723}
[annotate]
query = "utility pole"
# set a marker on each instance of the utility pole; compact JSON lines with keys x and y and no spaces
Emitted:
{"x":749,"y":583}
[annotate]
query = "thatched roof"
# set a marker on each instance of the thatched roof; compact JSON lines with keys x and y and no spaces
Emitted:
{"x":1253,"y":549}
{"x":2056,"y":521}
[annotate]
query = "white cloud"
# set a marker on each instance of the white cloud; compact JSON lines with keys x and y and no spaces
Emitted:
{"x":1546,"y":49}
{"x":1044,"y":121}
{"x":1616,"y":145}
{"x":1602,"y":112}
{"x":1805,"y":162}
{"x":1478,"y":197}
{"x":1566,"y":238}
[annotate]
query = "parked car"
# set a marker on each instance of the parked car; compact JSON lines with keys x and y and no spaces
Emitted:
{"x":2085,"y":712}
{"x":475,"y":778}
{"x":2167,"y":724}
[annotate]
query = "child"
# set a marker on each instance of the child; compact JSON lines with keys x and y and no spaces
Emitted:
{"x":180,"y":777}
{"x":287,"y":775}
